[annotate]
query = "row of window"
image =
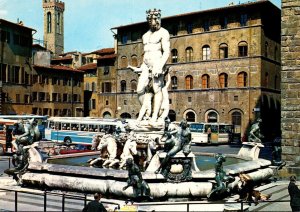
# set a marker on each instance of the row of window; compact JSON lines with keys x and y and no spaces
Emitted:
{"x":189,"y":54}
{"x":40,"y":96}
{"x":206,"y":54}
{"x":48,"y":111}
{"x":18,"y":75}
{"x":56,"y":97}
{"x":41,"y":79}
{"x":18,"y":39}
{"x":189,"y":27}
{"x":242,"y":81}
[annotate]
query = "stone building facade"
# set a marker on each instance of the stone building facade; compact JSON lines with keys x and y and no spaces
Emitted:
{"x":290,"y":79}
{"x":54,"y":26}
{"x":107,"y":84}
{"x":15,"y":69}
{"x":224,"y":62}
{"x":57,"y":91}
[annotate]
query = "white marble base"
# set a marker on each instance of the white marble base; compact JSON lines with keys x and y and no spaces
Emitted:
{"x":250,"y":150}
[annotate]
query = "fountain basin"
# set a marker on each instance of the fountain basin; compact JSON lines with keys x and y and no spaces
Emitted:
{"x":110,"y":181}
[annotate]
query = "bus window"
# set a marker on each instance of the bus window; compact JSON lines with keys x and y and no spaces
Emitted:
{"x":74,"y":127}
{"x":57,"y":126}
{"x":214,"y":128}
{"x":222,"y":128}
{"x":196,"y":127}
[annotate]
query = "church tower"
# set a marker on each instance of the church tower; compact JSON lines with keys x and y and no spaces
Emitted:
{"x":54,"y":26}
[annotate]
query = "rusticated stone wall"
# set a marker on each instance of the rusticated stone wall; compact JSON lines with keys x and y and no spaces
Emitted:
{"x":290,"y":76}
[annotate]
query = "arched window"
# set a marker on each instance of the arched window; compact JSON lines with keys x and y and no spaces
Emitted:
{"x":266,"y":49}
{"x":205,"y":81}
{"x":134,"y":61}
{"x":124,"y":62}
{"x":266,"y":81}
{"x":243,"y":49}
{"x":93,"y":86}
{"x":212,"y":116}
{"x":223,"y":80}
{"x":189,"y":54}
{"x":206,"y":52}
{"x":174,"y":83}
{"x":174,"y":54}
{"x":223,"y":51}
{"x":275,"y":53}
{"x":275,"y":81}
{"x":242,"y":79}
{"x":133,"y":85}
{"x":49,"y":20}
{"x":58,"y":23}
{"x":123,"y":86}
{"x":106,"y":114}
{"x":190,"y":116}
{"x":172,"y":115}
{"x":125,"y":116}
{"x":188,"y":82}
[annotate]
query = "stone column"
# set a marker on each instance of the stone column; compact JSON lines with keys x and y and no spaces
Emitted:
{"x":290,"y":80}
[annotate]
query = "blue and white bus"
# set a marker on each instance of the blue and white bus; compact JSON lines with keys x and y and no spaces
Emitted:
{"x":79,"y":130}
{"x":219,"y":133}
{"x":40,"y":120}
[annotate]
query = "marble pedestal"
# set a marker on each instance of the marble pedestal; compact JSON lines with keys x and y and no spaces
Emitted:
{"x":250,"y":150}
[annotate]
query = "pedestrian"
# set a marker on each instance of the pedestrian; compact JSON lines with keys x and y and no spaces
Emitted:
{"x":95,"y":205}
{"x":294,"y":192}
{"x":209,"y":135}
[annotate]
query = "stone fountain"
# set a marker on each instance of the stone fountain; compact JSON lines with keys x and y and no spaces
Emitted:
{"x":172,"y":172}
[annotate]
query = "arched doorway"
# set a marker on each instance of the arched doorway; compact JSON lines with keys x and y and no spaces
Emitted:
{"x":190,"y":116}
{"x":236,"y":120}
{"x":125,"y":116}
{"x":212,"y":117}
{"x":172,"y":115}
{"x":106,"y":114}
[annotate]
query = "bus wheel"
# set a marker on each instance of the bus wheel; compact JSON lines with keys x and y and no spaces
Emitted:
{"x":67,"y":140}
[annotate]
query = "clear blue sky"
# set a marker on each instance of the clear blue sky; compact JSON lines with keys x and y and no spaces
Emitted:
{"x":88,"y":22}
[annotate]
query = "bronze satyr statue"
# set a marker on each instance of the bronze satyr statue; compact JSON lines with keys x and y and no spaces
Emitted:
{"x":174,"y":144}
{"x":220,"y":189}
{"x":135,"y":179}
{"x":254,"y":135}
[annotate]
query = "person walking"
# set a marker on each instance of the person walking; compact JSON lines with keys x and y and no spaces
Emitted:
{"x":294,"y":192}
{"x":95,"y":205}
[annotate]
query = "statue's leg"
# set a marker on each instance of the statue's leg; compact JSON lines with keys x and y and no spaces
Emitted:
{"x":142,"y":83}
{"x":157,"y":85}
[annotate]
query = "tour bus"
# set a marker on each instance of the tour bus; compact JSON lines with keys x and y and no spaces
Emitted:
{"x":41,"y":120}
{"x":79,"y":130}
{"x":219,"y":133}
{"x":6,"y":137}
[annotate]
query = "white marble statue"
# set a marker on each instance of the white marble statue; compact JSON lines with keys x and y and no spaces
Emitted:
{"x":129,"y":149}
{"x":156,"y":43}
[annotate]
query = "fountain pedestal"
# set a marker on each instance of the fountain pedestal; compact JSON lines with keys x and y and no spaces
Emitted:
{"x":250,"y":150}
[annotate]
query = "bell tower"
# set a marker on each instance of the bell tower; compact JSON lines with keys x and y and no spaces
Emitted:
{"x":54,"y":26}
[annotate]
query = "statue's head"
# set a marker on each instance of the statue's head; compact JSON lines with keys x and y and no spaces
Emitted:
{"x":183,"y":123}
{"x":220,"y":157}
{"x":129,"y":162}
{"x":154,"y":19}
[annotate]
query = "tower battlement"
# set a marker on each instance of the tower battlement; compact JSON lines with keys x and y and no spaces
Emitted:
{"x":54,"y":3}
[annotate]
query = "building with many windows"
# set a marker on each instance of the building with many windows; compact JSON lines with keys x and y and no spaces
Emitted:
{"x":15,"y":69}
{"x":30,"y":84}
{"x":225,"y":66}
